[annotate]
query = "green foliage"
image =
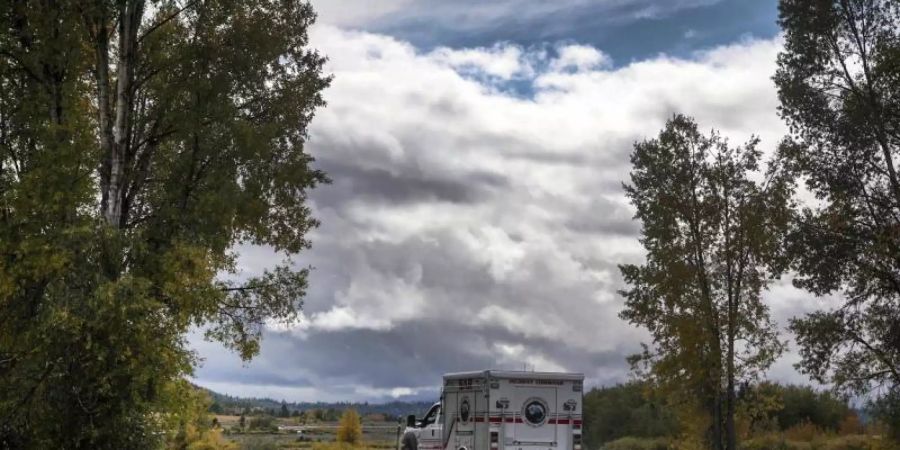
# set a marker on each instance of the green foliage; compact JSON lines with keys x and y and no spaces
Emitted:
{"x":624,"y":410}
{"x":886,"y":410}
{"x":195,"y":428}
{"x":838,"y":79}
{"x":764,"y":411}
{"x":771,"y":407}
{"x":139,"y":144}
{"x":804,"y":404}
{"x":713,"y":241}
{"x":757,"y":408}
{"x":349,"y":428}
{"x":263,"y":423}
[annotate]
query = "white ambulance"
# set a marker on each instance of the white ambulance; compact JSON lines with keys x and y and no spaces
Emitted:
{"x":501,"y":410}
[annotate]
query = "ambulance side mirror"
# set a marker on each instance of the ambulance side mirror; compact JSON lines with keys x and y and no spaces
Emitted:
{"x":411,"y":420}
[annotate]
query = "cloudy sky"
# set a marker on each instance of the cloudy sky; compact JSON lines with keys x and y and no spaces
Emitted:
{"x":476,"y":216}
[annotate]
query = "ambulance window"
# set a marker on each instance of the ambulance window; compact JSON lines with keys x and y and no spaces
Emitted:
{"x":431,"y":416}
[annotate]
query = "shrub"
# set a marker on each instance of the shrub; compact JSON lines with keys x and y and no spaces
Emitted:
{"x":851,"y":425}
{"x":805,"y":404}
{"x":211,"y":440}
{"x":803,"y":432}
{"x":332,"y":446}
{"x":886,"y":411}
{"x":632,"y":443}
{"x":349,"y":428}
{"x":259,"y":444}
{"x":263,"y":423}
{"x":776,"y":441}
{"x":850,"y":443}
{"x":625,"y":410}
{"x":767,"y":442}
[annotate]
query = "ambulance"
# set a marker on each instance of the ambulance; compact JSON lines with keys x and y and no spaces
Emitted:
{"x":501,"y":410}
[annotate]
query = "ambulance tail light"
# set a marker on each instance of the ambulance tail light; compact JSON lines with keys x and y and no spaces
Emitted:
{"x":495,"y":440}
{"x":576,"y":441}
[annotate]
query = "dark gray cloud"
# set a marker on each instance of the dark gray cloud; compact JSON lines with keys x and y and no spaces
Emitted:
{"x":399,"y":185}
{"x":414,"y":355}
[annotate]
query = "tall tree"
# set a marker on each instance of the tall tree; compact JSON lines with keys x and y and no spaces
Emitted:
{"x":140,"y":142}
{"x":712,"y":236}
{"x":839,"y":84}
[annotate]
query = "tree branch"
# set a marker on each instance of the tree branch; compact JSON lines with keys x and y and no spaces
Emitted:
{"x":168,"y":19}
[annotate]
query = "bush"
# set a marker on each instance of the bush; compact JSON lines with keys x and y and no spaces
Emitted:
{"x":349,"y":428}
{"x":851,"y":425}
{"x":850,"y":443}
{"x":263,"y":423}
{"x":624,"y":410}
{"x":211,"y":440}
{"x":768,"y":442}
{"x":259,"y":444}
{"x":805,"y":404}
{"x":886,"y":410}
{"x":633,"y":443}
{"x":803,"y":432}
{"x":332,"y":446}
{"x":820,"y":442}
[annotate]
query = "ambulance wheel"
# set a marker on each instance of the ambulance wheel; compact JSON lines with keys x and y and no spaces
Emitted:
{"x":410,"y":442}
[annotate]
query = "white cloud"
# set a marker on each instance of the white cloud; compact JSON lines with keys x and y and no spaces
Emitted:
{"x":579,"y":58}
{"x":394,"y":393}
{"x":502,"y":61}
{"x":467,"y":226}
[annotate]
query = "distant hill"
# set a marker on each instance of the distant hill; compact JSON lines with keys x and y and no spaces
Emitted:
{"x":227,"y":404}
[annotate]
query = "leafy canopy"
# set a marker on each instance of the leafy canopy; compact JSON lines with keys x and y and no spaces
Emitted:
{"x":140,"y":143}
{"x":713,"y":238}
{"x":838,"y":81}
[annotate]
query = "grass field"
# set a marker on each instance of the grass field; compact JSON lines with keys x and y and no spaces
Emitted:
{"x":774,"y":441}
{"x":381,"y":435}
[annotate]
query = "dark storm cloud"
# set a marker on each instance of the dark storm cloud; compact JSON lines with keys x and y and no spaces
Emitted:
{"x":413,"y":355}
{"x":400,"y":185}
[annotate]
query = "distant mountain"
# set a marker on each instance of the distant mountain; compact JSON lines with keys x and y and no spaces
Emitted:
{"x":223,"y":403}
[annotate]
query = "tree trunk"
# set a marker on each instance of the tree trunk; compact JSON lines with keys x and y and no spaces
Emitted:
{"x":731,"y":333}
{"x":117,"y":147}
{"x":730,"y":436}
{"x":100,"y":35}
{"x":715,"y":342}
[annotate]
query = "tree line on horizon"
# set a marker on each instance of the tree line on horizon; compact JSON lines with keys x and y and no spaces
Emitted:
{"x":311,"y":412}
{"x":615,"y":414}
{"x":720,"y":225}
